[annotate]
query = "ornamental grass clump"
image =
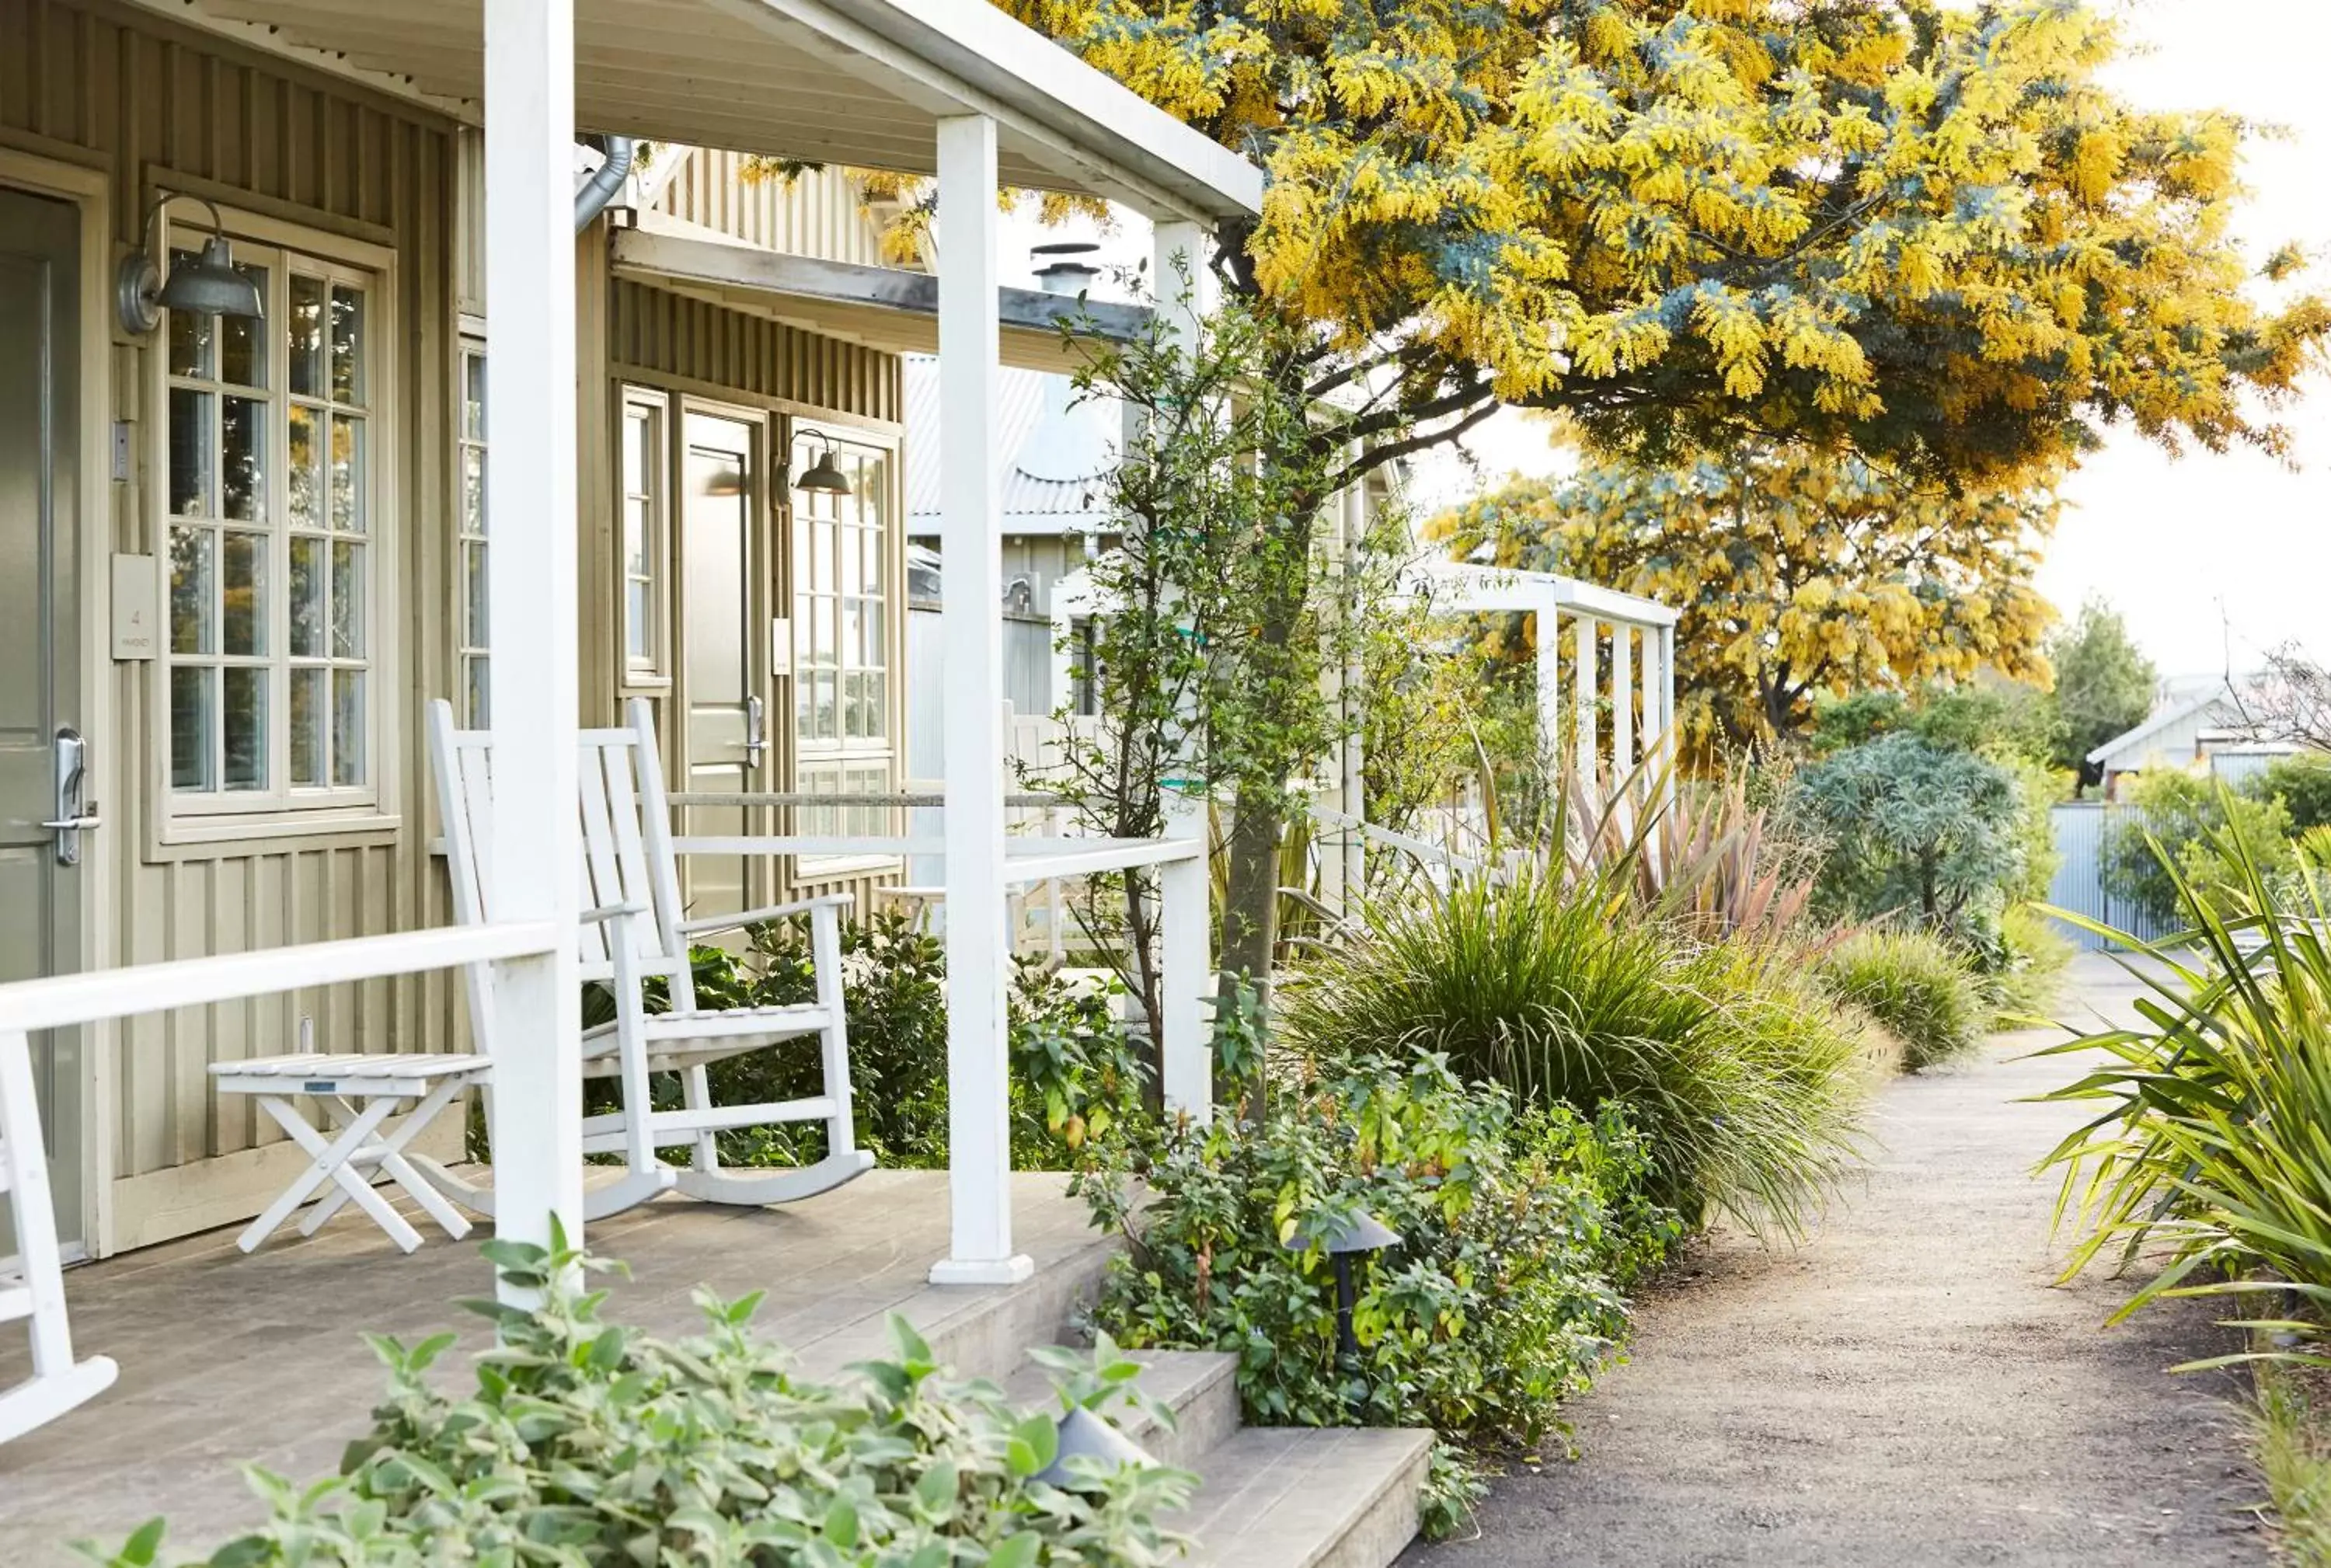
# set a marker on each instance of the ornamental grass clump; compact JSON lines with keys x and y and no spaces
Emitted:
{"x":1918,"y":988}
{"x":1745,"y":1086}
{"x":591,"y":1445}
{"x":2211,"y":1158}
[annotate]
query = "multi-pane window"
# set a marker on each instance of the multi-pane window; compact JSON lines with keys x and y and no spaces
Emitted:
{"x":842,"y":637}
{"x":473,"y":644}
{"x":642,"y":462}
{"x":271,"y":536}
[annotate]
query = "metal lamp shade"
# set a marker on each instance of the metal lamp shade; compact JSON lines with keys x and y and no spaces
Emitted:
{"x":1084,"y":1435}
{"x":825,"y":475}
{"x":1363,"y":1233}
{"x":210,"y":284}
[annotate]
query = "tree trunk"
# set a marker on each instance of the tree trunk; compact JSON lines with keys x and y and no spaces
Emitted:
{"x":1251,"y":903}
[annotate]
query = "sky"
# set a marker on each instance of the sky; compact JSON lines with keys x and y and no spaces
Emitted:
{"x":2211,"y":558}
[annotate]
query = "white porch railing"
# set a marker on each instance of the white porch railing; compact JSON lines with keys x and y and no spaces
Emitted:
{"x":1031,"y":859}
{"x":33,"y":1289}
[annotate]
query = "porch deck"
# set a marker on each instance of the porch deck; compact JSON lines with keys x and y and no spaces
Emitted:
{"x":227,"y":1358}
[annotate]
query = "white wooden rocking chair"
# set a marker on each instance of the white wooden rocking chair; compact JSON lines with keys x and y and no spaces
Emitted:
{"x":638,"y":930}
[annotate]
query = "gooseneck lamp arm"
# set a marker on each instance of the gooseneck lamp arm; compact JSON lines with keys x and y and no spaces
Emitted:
{"x":207,"y":284}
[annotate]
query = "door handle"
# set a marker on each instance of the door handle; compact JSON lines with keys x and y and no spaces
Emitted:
{"x":74,"y":815}
{"x":756,"y":730}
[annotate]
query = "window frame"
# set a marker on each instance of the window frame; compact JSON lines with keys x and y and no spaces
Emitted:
{"x":367,"y":812}
{"x":652,"y":672}
{"x":845,"y":753}
{"x":473,"y":702}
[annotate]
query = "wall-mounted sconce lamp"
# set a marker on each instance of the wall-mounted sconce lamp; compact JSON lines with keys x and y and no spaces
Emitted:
{"x":208,"y":283}
{"x":824,"y":474}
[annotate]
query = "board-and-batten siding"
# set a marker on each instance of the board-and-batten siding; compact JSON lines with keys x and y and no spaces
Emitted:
{"x":817,"y":213}
{"x":665,"y":339}
{"x":151,"y":103}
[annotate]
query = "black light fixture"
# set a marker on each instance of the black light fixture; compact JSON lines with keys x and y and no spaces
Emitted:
{"x":1084,"y":1435}
{"x":1363,"y":1232}
{"x":208,"y":284}
{"x":824,"y":474}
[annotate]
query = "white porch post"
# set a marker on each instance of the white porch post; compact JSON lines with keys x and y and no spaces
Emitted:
{"x":1671,"y":755}
{"x":1183,"y":887}
{"x":979,"y":1161}
{"x":538,"y":1104}
{"x":1584,"y":629}
{"x":1550,"y":679}
{"x":1622,"y":699}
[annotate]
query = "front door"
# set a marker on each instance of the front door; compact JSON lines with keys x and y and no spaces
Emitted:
{"x":40,"y":663}
{"x":724,"y":556}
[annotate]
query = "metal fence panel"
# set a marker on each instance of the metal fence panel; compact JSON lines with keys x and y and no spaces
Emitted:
{"x":2082,"y":829}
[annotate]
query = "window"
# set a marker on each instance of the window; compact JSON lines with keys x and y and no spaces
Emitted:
{"x":273,"y":605}
{"x":842,"y":639}
{"x":645,"y":462}
{"x":472,"y":646}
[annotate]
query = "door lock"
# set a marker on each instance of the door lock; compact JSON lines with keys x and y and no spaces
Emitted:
{"x":76,"y":814}
{"x":756,"y":730}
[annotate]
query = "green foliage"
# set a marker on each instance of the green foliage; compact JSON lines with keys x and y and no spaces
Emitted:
{"x":2292,"y":1439}
{"x":585,"y":1443}
{"x":2211,"y":1157}
{"x":1998,"y":718}
{"x":2021,"y":988}
{"x":2104,"y":686}
{"x":2302,"y":782}
{"x":1518,"y":1232}
{"x":1745,"y":1086}
{"x":2180,"y":828}
{"x":1916,"y":986}
{"x":894,"y":986}
{"x":1222,"y":616}
{"x":1927,"y":831}
{"x":1074,"y":1073}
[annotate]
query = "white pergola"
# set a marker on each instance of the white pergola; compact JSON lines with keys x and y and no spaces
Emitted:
{"x":952,"y":88}
{"x":1639,"y":680}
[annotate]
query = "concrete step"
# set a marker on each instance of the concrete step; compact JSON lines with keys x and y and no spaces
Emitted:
{"x":1306,"y":1498}
{"x":980,"y":1331}
{"x":1199,"y":1386}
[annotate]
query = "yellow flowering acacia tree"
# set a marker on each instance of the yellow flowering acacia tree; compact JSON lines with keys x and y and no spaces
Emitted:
{"x":1923,"y":229}
{"x":1798,"y":571}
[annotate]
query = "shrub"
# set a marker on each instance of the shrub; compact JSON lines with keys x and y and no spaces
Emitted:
{"x":2034,"y":955}
{"x":2302,"y":783}
{"x":1745,"y":1087}
{"x":1517,"y":1233}
{"x":1928,"y":832}
{"x":1918,"y":988}
{"x":2186,"y":822}
{"x":2211,"y":1155}
{"x":587,"y":1443}
{"x":1074,"y":1072}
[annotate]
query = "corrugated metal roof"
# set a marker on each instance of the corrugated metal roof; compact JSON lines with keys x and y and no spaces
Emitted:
{"x":1059,"y":453}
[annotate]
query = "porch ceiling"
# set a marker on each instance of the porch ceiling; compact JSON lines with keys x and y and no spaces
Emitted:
{"x":883,"y":307}
{"x":862,"y":83}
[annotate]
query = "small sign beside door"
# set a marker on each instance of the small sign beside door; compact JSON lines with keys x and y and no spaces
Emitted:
{"x":135,"y":609}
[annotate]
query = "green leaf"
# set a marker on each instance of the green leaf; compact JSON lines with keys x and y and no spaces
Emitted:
{"x":937,"y":1489}
{"x":1016,"y":1552}
{"x":841,"y":1525}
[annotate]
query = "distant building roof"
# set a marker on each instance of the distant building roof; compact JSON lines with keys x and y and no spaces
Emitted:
{"x":2134,"y":748}
{"x":1060,"y":450}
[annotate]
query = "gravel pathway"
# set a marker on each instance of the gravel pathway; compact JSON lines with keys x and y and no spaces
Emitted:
{"x":1908,"y":1388}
